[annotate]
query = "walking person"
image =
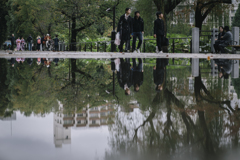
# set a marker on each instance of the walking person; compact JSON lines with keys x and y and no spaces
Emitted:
{"x":125,"y":27}
{"x":47,"y":39}
{"x":22,"y":44}
{"x":159,"y":31}
{"x":56,"y":40}
{"x":12,"y":42}
{"x":39,"y":42}
{"x":219,"y":39}
{"x":30,"y":41}
{"x":42,"y":46}
{"x":18,"y":42}
{"x":138,"y":31}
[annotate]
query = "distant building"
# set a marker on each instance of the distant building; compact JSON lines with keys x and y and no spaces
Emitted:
{"x":88,"y":117}
{"x":185,"y":7}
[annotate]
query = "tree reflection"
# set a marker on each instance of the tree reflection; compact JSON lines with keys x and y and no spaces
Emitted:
{"x":176,"y":126}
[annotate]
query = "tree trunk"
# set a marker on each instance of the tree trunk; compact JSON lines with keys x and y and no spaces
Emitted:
{"x":74,"y":35}
{"x":198,"y":19}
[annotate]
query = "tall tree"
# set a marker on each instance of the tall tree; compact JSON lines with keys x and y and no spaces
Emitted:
{"x":3,"y":21}
{"x":166,"y":6}
{"x":82,"y":14}
{"x":236,"y":20}
{"x":31,"y":17}
{"x":203,"y":8}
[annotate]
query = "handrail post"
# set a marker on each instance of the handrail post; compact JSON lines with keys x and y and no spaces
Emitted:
{"x":173,"y":50}
{"x":105,"y":46}
{"x":144,"y":46}
{"x":85,"y":47}
{"x":195,"y":49}
{"x":97,"y":47}
{"x":91,"y":46}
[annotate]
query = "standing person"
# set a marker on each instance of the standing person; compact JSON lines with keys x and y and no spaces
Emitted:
{"x":18,"y":42}
{"x":219,"y":39}
{"x":138,"y":30}
{"x":43,"y":43}
{"x":159,"y":31}
{"x":22,"y":44}
{"x":12,"y":42}
{"x":137,"y":74}
{"x":38,"y":43}
{"x":47,"y":38}
{"x":159,"y":73}
{"x":30,"y":40}
{"x":56,"y":40}
{"x":125,"y":27}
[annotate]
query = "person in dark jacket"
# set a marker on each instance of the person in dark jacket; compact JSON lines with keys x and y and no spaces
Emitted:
{"x":137,"y":74}
{"x":227,"y":39}
{"x":56,"y":40}
{"x":43,"y":43}
{"x":125,"y":27}
{"x":138,"y":30}
{"x":159,"y":73}
{"x":12,"y":42}
{"x":159,"y":31}
{"x":124,"y":75}
{"x":219,"y":39}
{"x":30,"y":41}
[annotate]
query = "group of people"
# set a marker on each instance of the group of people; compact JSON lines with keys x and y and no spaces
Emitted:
{"x":132,"y":75}
{"x":225,"y":38}
{"x":129,"y":27}
{"x":42,"y":43}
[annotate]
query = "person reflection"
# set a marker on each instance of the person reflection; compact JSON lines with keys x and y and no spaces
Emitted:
{"x":137,"y":74}
{"x":124,"y":74}
{"x":224,"y":67}
{"x":12,"y":61}
{"x":158,"y":73}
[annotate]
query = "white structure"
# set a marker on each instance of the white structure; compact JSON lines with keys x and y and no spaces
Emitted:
{"x":62,"y":135}
{"x":88,"y":117}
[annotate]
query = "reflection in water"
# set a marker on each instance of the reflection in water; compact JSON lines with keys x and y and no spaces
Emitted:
{"x":87,"y":117}
{"x":159,"y":110}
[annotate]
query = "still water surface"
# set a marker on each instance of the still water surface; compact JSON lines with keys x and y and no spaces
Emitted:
{"x":155,"y":110}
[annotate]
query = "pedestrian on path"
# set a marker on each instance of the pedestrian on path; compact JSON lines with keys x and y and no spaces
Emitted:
{"x":56,"y":40}
{"x":12,"y":42}
{"x":39,"y":42}
{"x":42,"y":46}
{"x":138,"y":31}
{"x":18,"y":42}
{"x":125,"y":27}
{"x":159,"y":31}
{"x":22,"y":44}
{"x":30,"y":41}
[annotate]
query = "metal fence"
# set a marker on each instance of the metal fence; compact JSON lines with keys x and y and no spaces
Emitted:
{"x":148,"y":45}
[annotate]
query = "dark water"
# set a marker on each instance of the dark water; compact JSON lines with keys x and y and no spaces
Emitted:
{"x":81,"y":109}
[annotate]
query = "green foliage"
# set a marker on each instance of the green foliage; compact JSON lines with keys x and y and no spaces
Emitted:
{"x":3,"y":21}
{"x":236,"y":20}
